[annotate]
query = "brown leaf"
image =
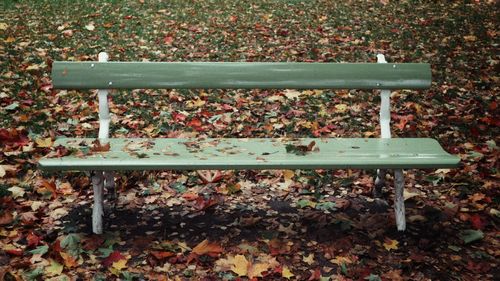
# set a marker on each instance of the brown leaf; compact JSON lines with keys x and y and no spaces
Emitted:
{"x":6,"y":218}
{"x":98,"y":147}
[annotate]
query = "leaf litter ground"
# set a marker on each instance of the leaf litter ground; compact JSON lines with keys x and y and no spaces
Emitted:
{"x":269,"y":225}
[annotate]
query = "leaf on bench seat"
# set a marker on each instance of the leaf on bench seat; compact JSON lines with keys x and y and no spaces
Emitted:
{"x":301,"y":149}
{"x":98,"y":147}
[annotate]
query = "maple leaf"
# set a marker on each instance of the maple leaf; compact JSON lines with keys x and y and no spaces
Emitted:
{"x":113,"y":257}
{"x":54,"y":268}
{"x":205,"y":248}
{"x":243,"y":267}
{"x":209,"y":176}
{"x":390,"y":244}
{"x":46,"y":142}
{"x":286,"y":273}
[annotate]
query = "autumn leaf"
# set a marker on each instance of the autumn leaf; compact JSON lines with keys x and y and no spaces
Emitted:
{"x":286,"y":273}
{"x":390,"y":244}
{"x":6,"y":218}
{"x":205,"y":248}
{"x":113,"y":257}
{"x":98,"y":147}
{"x":54,"y":268}
{"x":16,"y":191}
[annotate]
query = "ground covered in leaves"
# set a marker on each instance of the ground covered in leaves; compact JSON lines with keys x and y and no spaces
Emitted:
{"x":238,"y":225}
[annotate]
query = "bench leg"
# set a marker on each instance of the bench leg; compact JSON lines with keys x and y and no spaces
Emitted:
{"x":97,"y":210}
{"x":109,"y":184}
{"x":379,"y":183}
{"x":399,"y":202}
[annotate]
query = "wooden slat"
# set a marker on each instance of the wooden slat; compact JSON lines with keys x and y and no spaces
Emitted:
{"x":232,"y":153}
{"x":248,"y":75}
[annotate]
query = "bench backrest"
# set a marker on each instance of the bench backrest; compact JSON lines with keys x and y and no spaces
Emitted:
{"x":239,"y":75}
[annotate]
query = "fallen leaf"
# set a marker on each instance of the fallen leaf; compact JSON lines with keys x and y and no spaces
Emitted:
{"x":6,"y":218}
{"x":90,"y":27}
{"x":54,"y":268}
{"x":3,"y":26}
{"x":341,"y":108}
{"x":68,"y":33}
{"x":239,"y":265}
{"x":16,"y":191}
{"x":98,"y":147}
{"x":470,"y":235}
{"x":390,"y":244}
{"x":286,"y":273}
{"x":46,"y":142}
{"x":205,"y":247}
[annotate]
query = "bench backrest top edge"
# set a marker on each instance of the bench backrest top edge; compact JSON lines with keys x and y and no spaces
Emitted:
{"x":239,"y":75}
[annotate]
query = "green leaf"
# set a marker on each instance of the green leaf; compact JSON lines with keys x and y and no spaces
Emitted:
{"x":40,"y":250}
{"x":72,"y":244}
{"x":33,"y":275}
{"x":12,"y":106}
{"x":305,"y":203}
{"x":178,"y":186}
{"x":325,"y":206}
{"x":373,"y":277}
{"x":470,"y":235}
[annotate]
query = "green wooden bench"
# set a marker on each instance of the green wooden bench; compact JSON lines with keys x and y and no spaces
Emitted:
{"x":236,"y":153}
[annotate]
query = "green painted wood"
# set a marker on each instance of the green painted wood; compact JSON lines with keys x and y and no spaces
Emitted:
{"x":239,"y":75}
{"x":232,"y":153}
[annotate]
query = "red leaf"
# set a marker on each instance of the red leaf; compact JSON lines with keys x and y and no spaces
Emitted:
{"x":15,"y":252}
{"x":202,"y":204}
{"x":195,"y":122}
{"x":162,"y":254}
{"x":168,"y":40}
{"x":113,"y":257}
{"x":477,"y":221}
{"x":33,"y":240}
{"x":315,"y":275}
{"x":178,"y":117}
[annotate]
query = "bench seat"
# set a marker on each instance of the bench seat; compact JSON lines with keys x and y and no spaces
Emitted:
{"x":253,"y":153}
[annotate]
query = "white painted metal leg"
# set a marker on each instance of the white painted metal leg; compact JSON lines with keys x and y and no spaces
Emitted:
{"x":97,"y":210}
{"x":399,"y":201}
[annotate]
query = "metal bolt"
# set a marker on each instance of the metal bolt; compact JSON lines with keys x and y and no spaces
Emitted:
{"x":92,"y":65}
{"x":393,"y":66}
{"x":378,"y":84}
{"x":110,"y":83}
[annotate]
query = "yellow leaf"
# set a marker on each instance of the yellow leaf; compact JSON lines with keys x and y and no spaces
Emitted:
{"x":390,"y":244}
{"x":288,"y":175}
{"x":341,"y":107}
{"x":470,"y":38}
{"x":46,"y":142}
{"x":195,"y":103}
{"x":3,"y":26}
{"x":10,"y":39}
{"x":256,"y":270}
{"x":54,"y":268}
{"x":286,"y":273}
{"x":240,"y":265}
{"x":339,"y":260}
{"x":309,"y":259}
{"x":119,"y":265}
{"x":2,"y":171}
